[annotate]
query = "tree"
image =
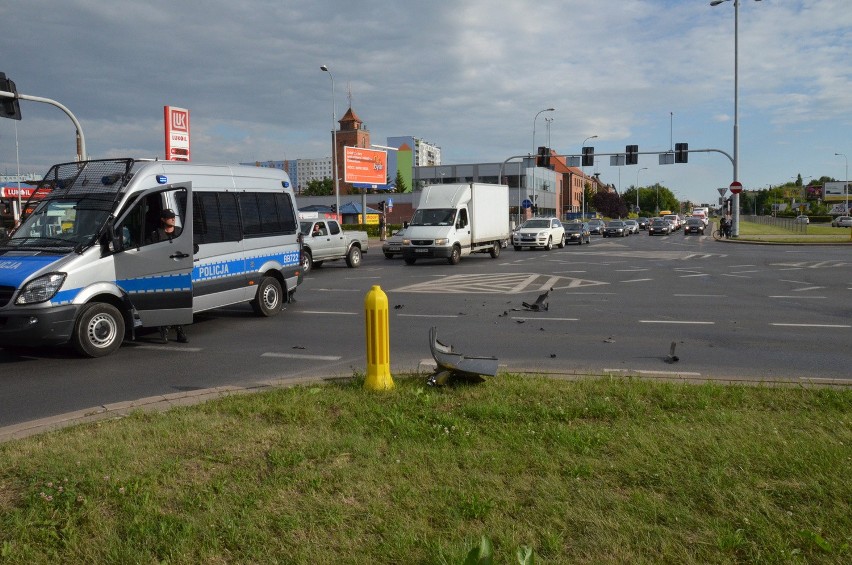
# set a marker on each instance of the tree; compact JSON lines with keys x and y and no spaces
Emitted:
{"x":324,"y":187}
{"x":610,"y":204}
{"x":400,"y":182}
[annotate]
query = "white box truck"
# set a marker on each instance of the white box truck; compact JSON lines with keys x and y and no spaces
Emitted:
{"x":453,"y":220}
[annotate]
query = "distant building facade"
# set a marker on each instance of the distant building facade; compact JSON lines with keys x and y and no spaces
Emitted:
{"x":411,"y":152}
{"x":301,"y":171}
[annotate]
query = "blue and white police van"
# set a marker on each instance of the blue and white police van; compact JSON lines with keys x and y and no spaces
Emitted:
{"x":86,"y":267}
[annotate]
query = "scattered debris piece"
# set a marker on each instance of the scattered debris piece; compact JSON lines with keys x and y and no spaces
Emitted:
{"x":397,"y":307}
{"x":540,"y":304}
{"x":298,"y":347}
{"x":672,"y":358}
{"x":452,"y":364}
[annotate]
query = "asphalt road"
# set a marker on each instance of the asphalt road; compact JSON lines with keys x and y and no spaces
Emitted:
{"x":733,"y":311}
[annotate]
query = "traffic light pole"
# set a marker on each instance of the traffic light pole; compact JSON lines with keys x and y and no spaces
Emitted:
{"x":503,"y":164}
{"x":81,"y":141}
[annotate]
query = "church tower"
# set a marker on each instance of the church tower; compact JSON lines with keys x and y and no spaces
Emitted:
{"x":352,"y":133}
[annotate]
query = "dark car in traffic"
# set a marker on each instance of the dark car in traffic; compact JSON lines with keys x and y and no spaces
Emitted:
{"x":643,"y":222}
{"x":660,"y":226}
{"x":694,"y":225}
{"x":596,"y":225}
{"x":616,"y":228}
{"x":579,"y":232}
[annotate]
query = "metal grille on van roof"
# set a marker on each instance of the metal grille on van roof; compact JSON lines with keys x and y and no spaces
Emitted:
{"x":100,"y":179}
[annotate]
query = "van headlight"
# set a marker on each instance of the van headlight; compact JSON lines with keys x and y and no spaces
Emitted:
{"x":442,"y":241}
{"x":41,"y":289}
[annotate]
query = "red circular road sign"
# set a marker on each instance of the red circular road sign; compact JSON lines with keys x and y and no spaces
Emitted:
{"x":736,"y":187}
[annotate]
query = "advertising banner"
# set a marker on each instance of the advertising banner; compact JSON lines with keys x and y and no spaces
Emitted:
{"x":177,"y":133}
{"x":365,"y":166}
{"x":14,"y":192}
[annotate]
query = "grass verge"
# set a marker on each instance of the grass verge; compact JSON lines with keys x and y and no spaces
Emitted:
{"x":592,"y":471}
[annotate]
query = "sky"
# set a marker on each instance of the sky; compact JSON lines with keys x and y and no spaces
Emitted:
{"x":467,"y":75}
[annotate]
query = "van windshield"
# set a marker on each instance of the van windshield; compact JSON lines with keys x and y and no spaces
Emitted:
{"x":62,"y":223}
{"x":433,"y":217}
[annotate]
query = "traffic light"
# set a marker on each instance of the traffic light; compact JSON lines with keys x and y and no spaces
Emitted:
{"x":681,"y":155}
{"x":381,"y":206}
{"x":588,"y":156}
{"x":543,"y":159}
{"x":632,"y":152}
{"x":9,"y":107}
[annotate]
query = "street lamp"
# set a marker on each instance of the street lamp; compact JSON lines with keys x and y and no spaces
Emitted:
{"x":735,"y":228}
{"x":637,"y":186}
{"x":534,"y":164}
{"x":583,"y":171}
{"x":845,"y":180}
{"x":334,"y":148}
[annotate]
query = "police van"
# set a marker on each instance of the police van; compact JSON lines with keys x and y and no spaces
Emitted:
{"x":88,"y":266}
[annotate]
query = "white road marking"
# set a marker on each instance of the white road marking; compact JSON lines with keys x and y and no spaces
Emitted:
{"x":643,"y":372}
{"x":165,"y":347}
{"x":797,"y":297}
{"x":811,"y":325}
{"x":332,"y":313}
{"x":546,"y":319}
{"x":807,"y":288}
{"x":337,"y":289}
{"x":427,"y":315}
{"x":701,"y":295}
{"x":302,"y":356}
{"x":695,"y":275}
{"x":637,"y":280}
{"x":674,"y":322}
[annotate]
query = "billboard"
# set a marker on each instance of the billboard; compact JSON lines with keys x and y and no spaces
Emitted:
{"x":833,"y":191}
{"x":367,"y":166}
{"x":177,"y":133}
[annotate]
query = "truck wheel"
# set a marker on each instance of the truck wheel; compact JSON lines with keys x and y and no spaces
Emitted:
{"x":267,"y":302}
{"x":549,"y":245}
{"x":307,"y":261}
{"x":353,"y":258}
{"x":455,"y":256}
{"x":410,"y":260}
{"x":495,"y":251}
{"x":561,"y":244}
{"x":99,"y":330}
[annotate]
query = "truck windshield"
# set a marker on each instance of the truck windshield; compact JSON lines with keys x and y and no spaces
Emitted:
{"x":433,"y":217}
{"x":62,"y":223}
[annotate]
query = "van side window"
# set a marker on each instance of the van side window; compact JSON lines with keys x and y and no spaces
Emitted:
{"x":143,"y":219}
{"x":462,"y":221}
{"x":217,"y":217}
{"x":267,"y":213}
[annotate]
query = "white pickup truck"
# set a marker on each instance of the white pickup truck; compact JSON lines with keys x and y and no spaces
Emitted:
{"x":324,"y":240}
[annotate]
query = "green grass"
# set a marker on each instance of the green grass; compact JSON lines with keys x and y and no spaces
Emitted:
{"x":589,"y":471}
{"x":814,"y":233}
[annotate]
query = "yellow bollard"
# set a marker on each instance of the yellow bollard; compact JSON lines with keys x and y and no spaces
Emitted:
{"x":378,"y":340}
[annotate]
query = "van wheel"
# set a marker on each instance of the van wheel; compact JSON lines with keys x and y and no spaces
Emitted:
{"x":353,"y":258}
{"x":495,"y":251}
{"x":268,"y":301}
{"x":455,"y":256}
{"x":99,"y":330}
{"x":307,"y":261}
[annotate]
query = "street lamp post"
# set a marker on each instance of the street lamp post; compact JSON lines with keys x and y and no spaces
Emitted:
{"x":735,"y":228}
{"x":334,"y":148}
{"x":845,"y":180}
{"x":637,"y":186}
{"x":534,"y":164}
{"x":583,"y":171}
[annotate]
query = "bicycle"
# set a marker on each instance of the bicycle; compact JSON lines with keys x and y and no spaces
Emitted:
{"x":718,"y":235}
